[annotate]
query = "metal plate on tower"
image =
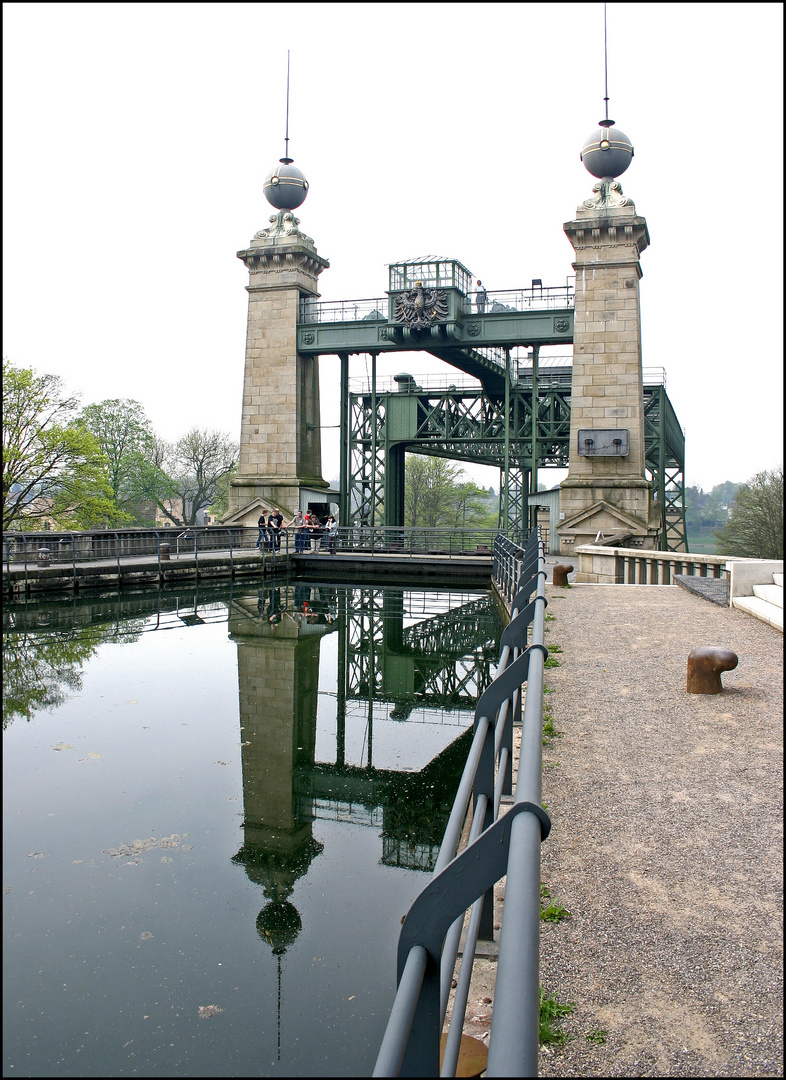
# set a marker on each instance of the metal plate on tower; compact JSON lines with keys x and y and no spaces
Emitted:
{"x":604,"y":442}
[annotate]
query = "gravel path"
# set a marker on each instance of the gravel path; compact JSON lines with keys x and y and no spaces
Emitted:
{"x":667,"y":836}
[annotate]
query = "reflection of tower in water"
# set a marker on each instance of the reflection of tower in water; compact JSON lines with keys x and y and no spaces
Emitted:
{"x":278,"y":677}
{"x":278,"y":924}
{"x":432,"y":653}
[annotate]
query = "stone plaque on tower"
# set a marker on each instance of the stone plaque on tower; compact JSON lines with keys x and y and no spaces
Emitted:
{"x":606,"y":495}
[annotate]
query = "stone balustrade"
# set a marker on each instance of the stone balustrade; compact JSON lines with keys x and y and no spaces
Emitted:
{"x":637,"y":566}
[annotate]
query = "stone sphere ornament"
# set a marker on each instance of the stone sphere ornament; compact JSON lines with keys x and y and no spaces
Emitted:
{"x":607,"y":152}
{"x":286,"y":187}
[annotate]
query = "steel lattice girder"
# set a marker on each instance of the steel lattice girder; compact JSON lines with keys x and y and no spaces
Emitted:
{"x":464,"y":425}
{"x":469,"y":425}
{"x":367,"y":470}
{"x":664,"y":446}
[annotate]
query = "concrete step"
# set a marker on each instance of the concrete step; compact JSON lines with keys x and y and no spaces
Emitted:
{"x":778,"y":579}
{"x":760,"y":609}
{"x":773,"y":594}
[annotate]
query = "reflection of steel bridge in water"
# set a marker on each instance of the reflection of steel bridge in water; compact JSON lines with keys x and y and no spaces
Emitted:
{"x":381,"y":633}
{"x":443,"y":661}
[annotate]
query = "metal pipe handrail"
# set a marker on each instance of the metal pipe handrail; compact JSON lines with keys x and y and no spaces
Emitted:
{"x":548,"y":297}
{"x":409,"y":1040}
{"x":519,"y":952}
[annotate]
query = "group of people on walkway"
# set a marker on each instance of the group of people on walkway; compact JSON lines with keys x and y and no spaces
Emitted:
{"x":308,"y":530}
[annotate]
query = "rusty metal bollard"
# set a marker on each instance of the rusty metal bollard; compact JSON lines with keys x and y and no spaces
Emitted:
{"x":43,"y":556}
{"x":163,"y":551}
{"x":560,"y":575}
{"x":705,"y":665}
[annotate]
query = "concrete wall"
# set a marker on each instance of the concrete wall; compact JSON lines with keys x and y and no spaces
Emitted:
{"x":746,"y":573}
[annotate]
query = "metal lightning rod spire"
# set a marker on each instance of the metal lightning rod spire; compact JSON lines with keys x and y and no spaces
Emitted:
{"x":286,"y":159}
{"x":605,"y":64}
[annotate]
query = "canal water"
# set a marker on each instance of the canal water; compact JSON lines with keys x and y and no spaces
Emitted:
{"x":218,"y":806}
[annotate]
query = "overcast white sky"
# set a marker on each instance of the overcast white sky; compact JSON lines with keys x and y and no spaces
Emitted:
{"x":137,"y":138}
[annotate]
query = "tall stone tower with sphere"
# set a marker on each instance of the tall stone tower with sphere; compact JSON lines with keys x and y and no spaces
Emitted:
{"x":280,"y":444}
{"x":606,"y":495}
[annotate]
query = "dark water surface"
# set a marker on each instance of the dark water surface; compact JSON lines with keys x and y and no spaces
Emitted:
{"x":217,"y":810}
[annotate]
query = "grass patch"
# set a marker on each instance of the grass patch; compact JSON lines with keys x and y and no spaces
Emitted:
{"x":551,"y":912}
{"x":599,"y":1037}
{"x":555,"y":648}
{"x":549,"y":731}
{"x":551,"y":1015}
{"x":554,"y":913}
{"x":551,"y":662}
{"x":550,"y":618}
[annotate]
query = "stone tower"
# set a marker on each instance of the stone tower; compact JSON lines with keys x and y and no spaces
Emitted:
{"x":606,"y":491}
{"x":280,"y":442}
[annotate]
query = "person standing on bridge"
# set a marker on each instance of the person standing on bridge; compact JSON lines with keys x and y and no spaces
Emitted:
{"x":262,"y":530}
{"x":481,"y":297}
{"x":274,"y":521}
{"x":300,"y":530}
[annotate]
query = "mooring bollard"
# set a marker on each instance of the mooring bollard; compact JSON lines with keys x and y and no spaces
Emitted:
{"x":705,"y":665}
{"x":560,"y":575}
{"x":163,"y":551}
{"x":43,"y":556}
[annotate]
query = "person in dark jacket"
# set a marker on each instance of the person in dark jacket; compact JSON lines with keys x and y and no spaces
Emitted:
{"x":262,"y":529}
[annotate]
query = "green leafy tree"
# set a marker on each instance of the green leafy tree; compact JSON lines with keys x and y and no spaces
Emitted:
{"x":694,"y":506}
{"x":52,"y":467}
{"x":472,"y":508}
{"x":436,"y":495}
{"x":429,"y":490}
{"x":755,"y":527}
{"x":126,"y":438}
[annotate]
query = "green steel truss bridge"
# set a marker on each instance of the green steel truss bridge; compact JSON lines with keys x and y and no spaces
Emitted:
{"x":512,"y":413}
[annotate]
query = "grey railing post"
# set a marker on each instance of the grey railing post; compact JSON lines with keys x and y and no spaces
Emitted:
{"x":391,"y":1052}
{"x":430,"y":935}
{"x":421,"y":1056}
{"x":517,"y":987}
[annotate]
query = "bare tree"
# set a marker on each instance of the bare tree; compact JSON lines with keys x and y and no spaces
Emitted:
{"x":187,"y":474}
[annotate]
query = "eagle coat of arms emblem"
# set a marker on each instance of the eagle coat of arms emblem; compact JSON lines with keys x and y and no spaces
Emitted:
{"x":421,"y":308}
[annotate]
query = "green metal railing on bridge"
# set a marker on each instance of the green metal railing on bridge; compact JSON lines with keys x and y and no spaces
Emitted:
{"x":470,"y":335}
{"x":498,"y":845}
